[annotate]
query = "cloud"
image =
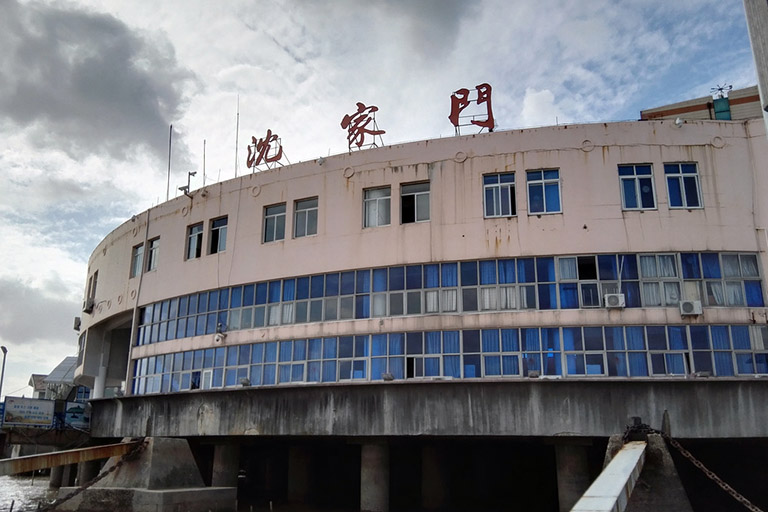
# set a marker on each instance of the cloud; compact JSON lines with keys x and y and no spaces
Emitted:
{"x":539,"y":108}
{"x":86,"y":83}
{"x":29,"y":315}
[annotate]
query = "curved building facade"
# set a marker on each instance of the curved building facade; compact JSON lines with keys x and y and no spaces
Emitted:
{"x":621,"y":250}
{"x":519,"y":275}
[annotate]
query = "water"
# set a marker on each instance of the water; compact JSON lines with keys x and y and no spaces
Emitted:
{"x":26,"y":495}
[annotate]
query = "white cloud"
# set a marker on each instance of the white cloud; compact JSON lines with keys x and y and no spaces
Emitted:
{"x":539,"y":109}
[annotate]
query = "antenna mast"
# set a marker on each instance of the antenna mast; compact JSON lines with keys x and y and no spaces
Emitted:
{"x":168,"y":186}
{"x":237,"y":132}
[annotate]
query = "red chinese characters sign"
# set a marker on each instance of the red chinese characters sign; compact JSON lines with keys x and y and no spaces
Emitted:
{"x":357,"y":125}
{"x":461,"y":100}
{"x":262,"y":150}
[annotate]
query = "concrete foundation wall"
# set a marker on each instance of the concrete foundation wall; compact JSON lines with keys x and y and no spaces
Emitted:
{"x":698,"y":408}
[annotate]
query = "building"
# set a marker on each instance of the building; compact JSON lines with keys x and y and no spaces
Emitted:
{"x":445,"y":322}
{"x":736,"y":105}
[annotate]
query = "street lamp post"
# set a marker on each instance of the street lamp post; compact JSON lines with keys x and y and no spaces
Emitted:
{"x":2,"y":373}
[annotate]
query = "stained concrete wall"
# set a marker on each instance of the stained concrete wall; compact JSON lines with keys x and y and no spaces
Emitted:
{"x":701,"y":408}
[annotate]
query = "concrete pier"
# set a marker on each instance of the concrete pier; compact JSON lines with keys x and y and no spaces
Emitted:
{"x":374,"y":477}
{"x":572,"y":473}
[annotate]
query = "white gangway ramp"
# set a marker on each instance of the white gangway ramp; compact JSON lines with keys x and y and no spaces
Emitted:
{"x":611,"y":490}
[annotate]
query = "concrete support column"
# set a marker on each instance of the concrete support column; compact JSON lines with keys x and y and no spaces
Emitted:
{"x":434,"y":479}
{"x":99,"y":383}
{"x":57,"y":473}
{"x":572,"y":474}
{"x":299,"y":473}
{"x":226,"y":464}
{"x":374,"y":477}
{"x":87,"y":471}
{"x":69,"y":475}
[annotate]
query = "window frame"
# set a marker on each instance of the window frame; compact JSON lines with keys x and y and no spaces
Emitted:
{"x":153,"y":247}
{"x":376,"y":202}
{"x":303,"y":211}
{"x":217,"y":235}
{"x":405,"y":192}
{"x":496,"y":190}
{"x":194,"y":232}
{"x":636,"y":180}
{"x":543,"y":182}
{"x":272,"y":223}
{"x":137,"y":260}
{"x":680,"y":177}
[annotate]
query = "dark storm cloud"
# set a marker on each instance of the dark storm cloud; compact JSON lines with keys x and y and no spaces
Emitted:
{"x":27,"y":315}
{"x":85,"y":82}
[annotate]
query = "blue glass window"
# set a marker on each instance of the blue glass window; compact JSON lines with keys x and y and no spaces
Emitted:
{"x":468,"y":273}
{"x":543,"y":191}
{"x":347,"y":283}
{"x":261,"y":293}
{"x":431,"y":276}
{"x":331,"y":285}
{"x":396,"y":278}
{"x":413,"y":277}
{"x":379,"y":279}
{"x":506,"y":271}
{"x":449,"y":273}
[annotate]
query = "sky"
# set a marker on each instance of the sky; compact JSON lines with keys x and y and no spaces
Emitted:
{"x":89,"y":89}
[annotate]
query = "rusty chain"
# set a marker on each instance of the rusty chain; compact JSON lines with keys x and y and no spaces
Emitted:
{"x":131,"y":455}
{"x":643,"y":429}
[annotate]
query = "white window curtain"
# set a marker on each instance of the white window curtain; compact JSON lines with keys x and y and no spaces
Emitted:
{"x":715,"y":296}
{"x":432,"y":301}
{"x":651,"y":294}
{"x":733,"y":293}
{"x":568,"y":269}
{"x":671,"y":293}
{"x":667,"y":265}
{"x":449,"y":300}
{"x":731,"y":265}
{"x":274,"y":315}
{"x":488,"y":298}
{"x":648,"y":266}
{"x":749,"y":265}
{"x":379,"y":304}
{"x":508,"y":296}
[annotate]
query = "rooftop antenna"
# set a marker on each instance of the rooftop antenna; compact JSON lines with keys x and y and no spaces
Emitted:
{"x":168,"y":186}
{"x":237,"y":132}
{"x":721,"y":91}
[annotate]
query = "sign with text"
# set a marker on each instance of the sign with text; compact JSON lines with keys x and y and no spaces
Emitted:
{"x":27,"y":412}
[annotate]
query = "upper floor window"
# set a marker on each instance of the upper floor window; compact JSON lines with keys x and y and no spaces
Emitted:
{"x":414,"y":202}
{"x":152,"y":251}
{"x":137,"y":259}
{"x":194,"y":241}
{"x":305,"y":218}
{"x":544,"y":191}
{"x":376,"y":207}
{"x":683,"y":185}
{"x":218,"y":238}
{"x":637,"y":187}
{"x":499,"y":195}
{"x":274,"y":222}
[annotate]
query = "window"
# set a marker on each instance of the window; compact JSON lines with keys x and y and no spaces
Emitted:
{"x":305,"y":218}
{"x":414,"y":202}
{"x":683,"y":185}
{"x":218,"y":238}
{"x":376,"y":207}
{"x":499,"y":195}
{"x":194,"y":241}
{"x":154,"y":245}
{"x":637,"y":187}
{"x":274,"y":223}
{"x":544,"y":191}
{"x":137,"y":259}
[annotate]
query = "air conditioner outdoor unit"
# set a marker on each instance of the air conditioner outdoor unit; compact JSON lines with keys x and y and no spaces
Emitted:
{"x":614,"y":300}
{"x":690,"y":307}
{"x":77,"y":324}
{"x":88,"y":305}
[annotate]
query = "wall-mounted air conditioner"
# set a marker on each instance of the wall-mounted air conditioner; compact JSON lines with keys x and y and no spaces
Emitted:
{"x":690,"y":307}
{"x":88,"y":305}
{"x":614,"y":300}
{"x":77,"y":324}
